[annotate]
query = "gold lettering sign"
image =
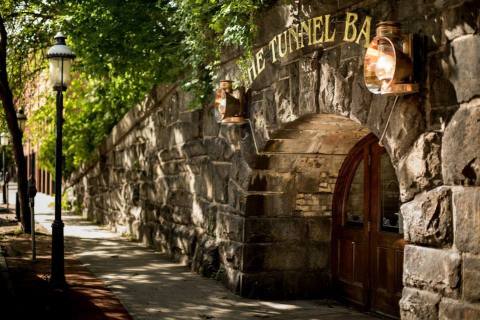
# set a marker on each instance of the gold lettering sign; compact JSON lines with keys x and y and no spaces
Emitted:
{"x":314,"y":31}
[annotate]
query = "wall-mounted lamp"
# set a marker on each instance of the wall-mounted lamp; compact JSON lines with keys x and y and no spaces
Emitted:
{"x":388,"y":64}
{"x":230,"y":107}
{"x":229,"y":104}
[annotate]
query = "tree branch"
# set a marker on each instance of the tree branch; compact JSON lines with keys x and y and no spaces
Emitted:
{"x":6,"y":97}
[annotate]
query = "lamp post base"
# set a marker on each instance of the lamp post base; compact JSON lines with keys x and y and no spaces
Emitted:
{"x":57,"y":279}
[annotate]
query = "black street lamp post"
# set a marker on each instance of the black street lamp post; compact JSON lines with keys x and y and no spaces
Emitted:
{"x":21,"y":120}
{"x":60,"y":59}
{"x":4,"y":142}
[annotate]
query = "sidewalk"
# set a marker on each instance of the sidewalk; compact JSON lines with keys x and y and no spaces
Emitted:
{"x":24,"y":289}
{"x":151,"y":286}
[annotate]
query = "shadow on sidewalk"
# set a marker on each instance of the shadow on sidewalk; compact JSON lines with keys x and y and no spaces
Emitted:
{"x":86,"y":297}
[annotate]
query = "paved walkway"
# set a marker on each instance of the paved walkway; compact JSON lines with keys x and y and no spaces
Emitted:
{"x":150,"y":286}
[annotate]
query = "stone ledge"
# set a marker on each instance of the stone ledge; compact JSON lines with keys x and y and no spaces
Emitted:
{"x":432,"y":269}
{"x":418,"y":304}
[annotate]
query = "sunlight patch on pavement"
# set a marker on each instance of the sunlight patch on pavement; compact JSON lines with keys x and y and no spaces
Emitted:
{"x":278,"y":306}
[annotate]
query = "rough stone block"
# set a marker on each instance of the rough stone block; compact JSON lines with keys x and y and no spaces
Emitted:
{"x":471,"y":278}
{"x":240,"y":171}
{"x":428,"y":218}
{"x":461,"y":20}
{"x":407,"y":126}
{"x":442,"y":99}
{"x":291,"y":146}
{"x":206,"y":257}
{"x":433,"y":269}
{"x":454,"y":310}
{"x":466,"y":211}
{"x":191,"y":116}
{"x":420,"y":169}
{"x":170,"y":154}
{"x":181,"y":132}
{"x":209,"y":126}
{"x":261,"y":285}
{"x":231,"y":254}
{"x":220,"y":177}
{"x":318,"y":256}
{"x":319,"y":229}
{"x":464,"y":62}
{"x":193,"y":148}
{"x":230,"y":226}
{"x":218,"y":149}
{"x":461,"y":145}
{"x":419,"y":305}
{"x":283,"y":285}
{"x":361,"y":99}
{"x":230,"y":278}
{"x":236,"y":195}
{"x":233,"y":134}
{"x":274,"y":257}
{"x":307,"y":182}
{"x":273,"y":205}
{"x":262,"y":180}
{"x":264,"y":230}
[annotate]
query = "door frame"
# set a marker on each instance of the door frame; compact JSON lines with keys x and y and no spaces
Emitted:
{"x":345,"y":177}
{"x":363,"y":288}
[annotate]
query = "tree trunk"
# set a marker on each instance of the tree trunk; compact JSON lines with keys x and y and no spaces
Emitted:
{"x":6,"y":97}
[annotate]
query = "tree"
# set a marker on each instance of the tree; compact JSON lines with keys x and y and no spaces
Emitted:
{"x":124,"y":48}
{"x":6,"y":97}
{"x":25,"y":29}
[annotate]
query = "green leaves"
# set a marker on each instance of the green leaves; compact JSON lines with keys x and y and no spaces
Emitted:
{"x":123,"y":48}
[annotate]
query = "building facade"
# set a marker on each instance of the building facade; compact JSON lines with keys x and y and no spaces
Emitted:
{"x":321,"y":208}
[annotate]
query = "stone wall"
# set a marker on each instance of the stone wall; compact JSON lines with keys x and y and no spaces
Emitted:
{"x":174,"y":179}
{"x":198,"y":191}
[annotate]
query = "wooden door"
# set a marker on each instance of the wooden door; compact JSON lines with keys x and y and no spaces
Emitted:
{"x":367,"y":243}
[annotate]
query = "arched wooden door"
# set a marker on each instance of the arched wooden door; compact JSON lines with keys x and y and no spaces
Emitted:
{"x":367,"y":244}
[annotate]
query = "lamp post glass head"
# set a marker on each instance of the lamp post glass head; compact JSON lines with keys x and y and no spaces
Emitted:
{"x":4,"y":140}
{"x":60,"y":58}
{"x":21,"y":119}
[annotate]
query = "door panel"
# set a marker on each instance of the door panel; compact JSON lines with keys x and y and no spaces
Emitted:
{"x":367,"y":244}
{"x":386,"y":242}
{"x":351,"y":270}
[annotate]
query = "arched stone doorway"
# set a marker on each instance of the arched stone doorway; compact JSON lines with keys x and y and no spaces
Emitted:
{"x":293,"y":212}
{"x":288,"y":209}
{"x":367,"y":240}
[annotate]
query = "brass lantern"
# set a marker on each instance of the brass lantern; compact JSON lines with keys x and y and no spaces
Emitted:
{"x":229,"y":104}
{"x":388,"y":64}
